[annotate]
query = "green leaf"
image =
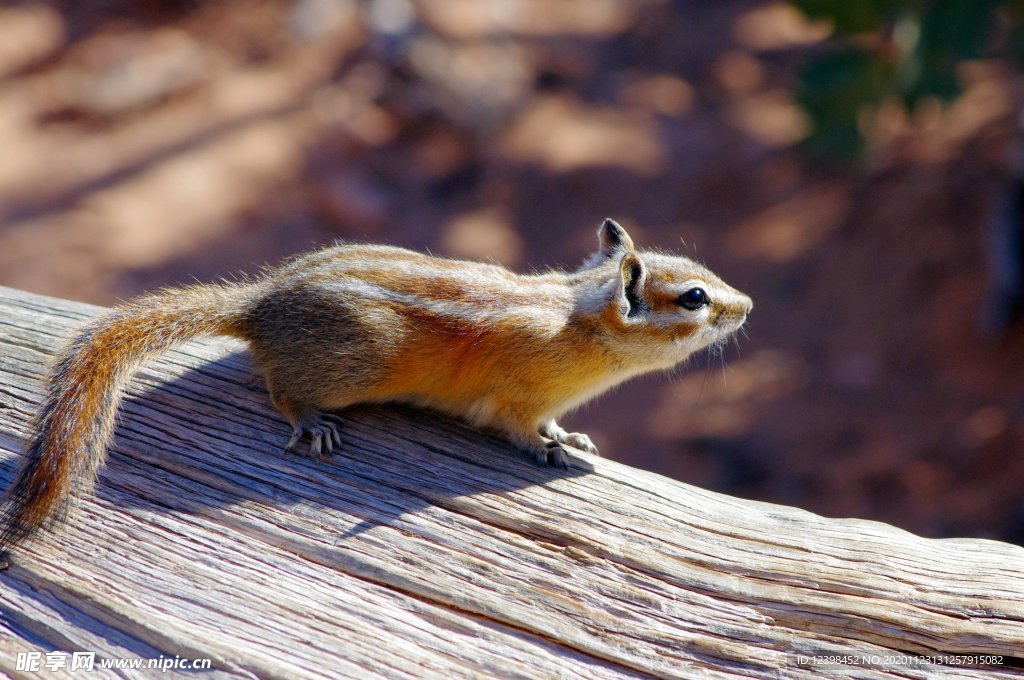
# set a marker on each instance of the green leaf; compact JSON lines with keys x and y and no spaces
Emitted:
{"x":914,"y":53}
{"x":850,"y":17}
{"x":949,"y":32}
{"x":833,"y":89}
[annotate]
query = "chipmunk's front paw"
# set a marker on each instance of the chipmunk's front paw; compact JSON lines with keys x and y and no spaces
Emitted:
{"x":546,"y":452}
{"x":323,"y":436}
{"x":580,"y":441}
{"x":577,"y":440}
{"x":554,"y":455}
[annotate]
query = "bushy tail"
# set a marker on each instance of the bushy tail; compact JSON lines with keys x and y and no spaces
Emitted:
{"x":76,"y":420}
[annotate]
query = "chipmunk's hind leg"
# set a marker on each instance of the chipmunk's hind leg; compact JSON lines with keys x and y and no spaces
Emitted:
{"x":321,"y":428}
{"x":319,"y":353}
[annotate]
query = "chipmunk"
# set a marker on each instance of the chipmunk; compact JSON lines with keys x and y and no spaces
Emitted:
{"x":368,"y":323}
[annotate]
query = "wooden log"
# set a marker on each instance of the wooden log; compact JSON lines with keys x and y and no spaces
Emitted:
{"x":431,"y":549}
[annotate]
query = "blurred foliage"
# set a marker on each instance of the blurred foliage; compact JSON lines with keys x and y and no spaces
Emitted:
{"x":896,"y":51}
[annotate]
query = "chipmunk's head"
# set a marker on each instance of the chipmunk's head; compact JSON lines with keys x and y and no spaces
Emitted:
{"x":665,"y":306}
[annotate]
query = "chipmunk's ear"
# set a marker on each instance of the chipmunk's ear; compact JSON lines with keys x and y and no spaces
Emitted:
{"x":613,"y":239}
{"x":632,"y":277}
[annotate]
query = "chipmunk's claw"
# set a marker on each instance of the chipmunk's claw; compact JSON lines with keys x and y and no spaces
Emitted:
{"x":323,"y":435}
{"x":553,"y":455}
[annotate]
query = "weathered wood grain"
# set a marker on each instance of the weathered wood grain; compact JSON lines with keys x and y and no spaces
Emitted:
{"x":428,"y":549}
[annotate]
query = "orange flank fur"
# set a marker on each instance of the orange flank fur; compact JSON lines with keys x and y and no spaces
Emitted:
{"x":461,"y":367}
{"x":365,"y":323}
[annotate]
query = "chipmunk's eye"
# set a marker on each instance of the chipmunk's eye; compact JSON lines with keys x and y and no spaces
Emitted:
{"x":694,"y":299}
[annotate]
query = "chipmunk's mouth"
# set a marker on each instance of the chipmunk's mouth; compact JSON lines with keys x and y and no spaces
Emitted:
{"x":729,"y":323}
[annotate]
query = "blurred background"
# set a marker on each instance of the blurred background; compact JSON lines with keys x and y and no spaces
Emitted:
{"x":852,"y":166}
